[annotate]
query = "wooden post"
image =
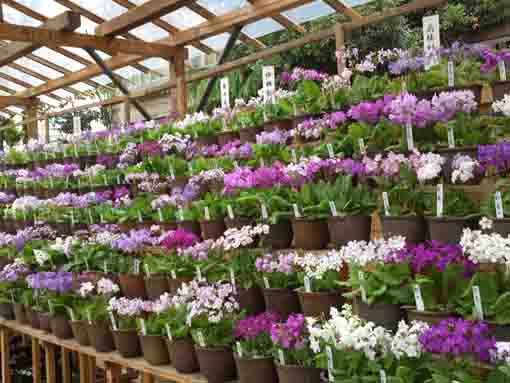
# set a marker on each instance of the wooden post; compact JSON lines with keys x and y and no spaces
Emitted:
{"x":92,"y":369}
{"x":46,"y":128}
{"x":31,"y":127}
{"x":113,"y":372}
{"x":147,"y":378}
{"x":67,"y":374}
{"x":179,"y":105}
{"x":84,"y":368}
{"x":6,"y":355}
{"x":340,"y":46}
{"x":36,"y":361}
{"x":51,"y":372}
{"x":125,"y":113}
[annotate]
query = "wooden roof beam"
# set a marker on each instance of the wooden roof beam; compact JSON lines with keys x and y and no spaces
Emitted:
{"x":340,"y":7}
{"x":67,"y":21}
{"x":6,"y":101}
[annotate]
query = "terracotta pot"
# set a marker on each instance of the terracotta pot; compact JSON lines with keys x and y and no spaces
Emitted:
{"x":382,"y":314}
{"x":80,"y":332}
{"x":167,"y":225}
{"x":298,"y":374}
{"x":202,"y":141}
{"x":60,"y":326}
{"x":154,"y":349}
{"x":191,"y":226}
{"x":429,"y":317}
{"x":501,"y":226}
{"x":285,"y":124}
{"x":310,"y":234}
{"x":349,"y":228}
{"x":175,"y":284}
{"x":127,"y":343}
{"x":216,"y":364}
{"x":20,"y":314}
{"x":126,"y":227}
{"x":156,"y":285}
{"x":281,"y":301}
{"x":212,"y":229}
{"x":318,"y":304}
{"x":132,"y":286}
{"x":447,"y":229}
{"x":251,"y":300}
{"x":227,"y":137}
{"x":280,"y":235}
{"x":100,"y":336}
{"x":45,"y":322}
{"x":499,"y":89}
{"x":183,"y":356}
{"x":6,"y":311}
{"x":412,"y":228}
{"x":249,"y":135}
{"x":500,"y":332}
{"x":256,"y":370}
{"x":238,"y":222}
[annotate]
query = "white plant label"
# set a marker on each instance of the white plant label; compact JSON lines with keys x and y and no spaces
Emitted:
{"x":308,"y":285}
{"x":207,"y":214}
{"x":200,"y":338}
{"x":71,"y":314}
{"x":105,"y":180}
{"x":230,"y":212}
{"x":160,"y":215}
{"x":76,"y":124}
{"x":386,"y":202}
{"x":451,"y":138}
{"x":269,"y":84}
{"x":239,"y":349}
{"x":362,"y":148}
{"x":172,"y":173}
{"x":225,"y":93}
{"x":281,"y":357}
{"x":294,"y":155}
{"x":140,"y":218}
{"x":431,"y":40}
{"x":190,"y":169}
{"x":112,"y":319}
{"x":502,"y":70}
{"x":233,"y":280}
{"x":331,"y":367}
{"x":143,"y":326}
{"x":262,"y":163}
{"x":332,"y":207}
{"x":409,"y":137}
{"x":181,"y":214}
{"x":331,"y":153}
{"x":136,"y":266}
{"x":13,"y":300}
{"x":75,"y":151}
{"x":477,"y":298}
{"x":297,"y":214}
{"x":50,"y":306}
{"x":403,"y":86}
{"x":105,"y":267}
{"x":173,"y":274}
{"x":198,"y":273}
{"x":264,"y":212}
{"x":499,"y":205}
{"x":168,"y":332}
{"x":147,"y":270}
{"x":91,"y":220}
{"x":236,"y":165}
{"x":451,"y":74}
{"x":89,"y":316}
{"x":266,"y":282}
{"x":418,"y":299}
{"x":440,"y":200}
{"x":118,"y":180}
{"x":382,"y":375}
{"x":361,"y":277}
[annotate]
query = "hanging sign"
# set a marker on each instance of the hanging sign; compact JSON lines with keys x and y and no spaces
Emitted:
{"x":269,"y":84}
{"x":431,"y":40}
{"x":76,"y":124}
{"x":225,"y":93}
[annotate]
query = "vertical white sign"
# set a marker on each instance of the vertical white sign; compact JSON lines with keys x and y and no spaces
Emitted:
{"x":439,"y":200}
{"x":76,"y":124}
{"x":269,"y":83}
{"x":431,"y":40}
{"x":502,"y":70}
{"x":225,"y":93}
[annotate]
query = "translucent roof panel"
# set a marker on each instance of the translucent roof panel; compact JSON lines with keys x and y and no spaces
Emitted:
{"x":21,"y":76}
{"x":309,"y":12}
{"x":12,"y":16}
{"x":219,"y":7}
{"x":183,"y":18}
{"x":82,"y":87}
{"x":106,"y":9}
{"x":217,"y":42}
{"x":149,"y":32}
{"x":42,"y":69}
{"x":57,"y":58}
{"x":15,"y":109}
{"x":63,"y":93}
{"x":11,"y":85}
{"x":49,"y":100}
{"x":262,"y":28}
{"x":48,"y":8}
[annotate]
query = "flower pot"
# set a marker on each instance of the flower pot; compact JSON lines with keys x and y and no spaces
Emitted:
{"x":183,"y":356}
{"x":429,"y":317}
{"x":447,"y":229}
{"x":44,"y":322}
{"x":191,"y":226}
{"x":499,"y":89}
{"x":212,"y":229}
{"x":382,"y":314}
{"x":298,"y":374}
{"x":249,"y":135}
{"x":100,"y":336}
{"x":132,"y":286}
{"x":80,"y":332}
{"x":32,"y":317}
{"x":19,"y":313}
{"x":216,"y":364}
{"x":501,"y":226}
{"x":318,"y":304}
{"x":127,"y":343}
{"x":238,"y":222}
{"x":4,"y":261}
{"x":156,"y":285}
{"x":6,"y":311}
{"x":167,"y":225}
{"x":60,"y":327}
{"x":280,"y":235}
{"x":285,"y":124}
{"x":500,"y":332}
{"x":349,"y":228}
{"x":310,"y":234}
{"x":411,"y":227}
{"x":154,"y":349}
{"x":202,"y":141}
{"x":251,"y":300}
{"x":255,"y":370}
{"x":226,"y":137}
{"x":281,"y":301}
{"x":175,"y":284}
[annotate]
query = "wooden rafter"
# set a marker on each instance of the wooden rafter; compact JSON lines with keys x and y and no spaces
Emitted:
{"x":284,"y":21}
{"x":15,"y":100}
{"x":340,"y":7}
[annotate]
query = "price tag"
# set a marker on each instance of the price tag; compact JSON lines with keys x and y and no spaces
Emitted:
{"x":499,"y":205}
{"x":439,"y":200}
{"x":230,"y":212}
{"x":332,"y":207}
{"x":239,"y":349}
{"x":233,"y":280}
{"x":225,"y":93}
{"x":266,"y":282}
{"x":269,"y":84}
{"x":264,"y":212}
{"x":140,"y":218}
{"x":331,"y":367}
{"x":297,"y":214}
{"x":308,"y":285}
{"x":281,"y":357}
{"x":451,"y":74}
{"x":361,"y":277}
{"x":147,"y":270}
{"x":118,"y":180}
{"x":362,"y":147}
{"x":386,"y":202}
{"x":502,"y":70}
{"x":71,"y":314}
{"x":382,"y":374}
{"x":451,"y":137}
{"x":168,"y":332}
{"x":136,"y":266}
{"x":160,"y":215}
{"x":181,"y":214}
{"x":409,"y":137}
{"x":143,"y":326}
{"x":207,"y":214}
{"x":198,"y":273}
{"x":418,"y":299}
{"x":331,"y":153}
{"x":173,"y":274}
{"x":89,"y":316}
{"x":200,"y":338}
{"x":112,"y":319}
{"x":478,"y":303}
{"x":294,"y":155}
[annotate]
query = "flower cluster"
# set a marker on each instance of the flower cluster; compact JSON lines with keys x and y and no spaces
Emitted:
{"x":58,"y":282}
{"x":252,"y":327}
{"x":299,"y":74}
{"x":502,"y":106}
{"x":406,"y":341}
{"x":311,"y":129}
{"x":284,"y":263}
{"x":235,"y":238}
{"x":380,"y":250}
{"x":174,"y":141}
{"x":465,"y":168}
{"x":336,"y":82}
{"x":14,"y":271}
{"x":178,"y":239}
{"x":275,"y":137}
{"x":315,"y":266}
{"x":485,"y":248}
{"x":198,"y":252}
{"x":104,"y":286}
{"x":292,"y":334}
{"x":428,"y":166}
{"x":496,"y":156}
{"x":127,"y":308}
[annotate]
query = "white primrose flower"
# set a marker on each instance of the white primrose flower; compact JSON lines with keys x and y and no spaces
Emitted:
{"x":315,"y":266}
{"x":41,"y":257}
{"x":406,"y":341}
{"x":502,"y":106}
{"x":361,"y":252}
{"x":485,"y":248}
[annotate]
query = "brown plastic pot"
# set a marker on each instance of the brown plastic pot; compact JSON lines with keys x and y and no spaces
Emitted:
{"x":500,"y":89}
{"x":251,"y":300}
{"x":19,"y":313}
{"x":249,"y":135}
{"x":202,"y":141}
{"x":60,"y":326}
{"x":80,"y":332}
{"x":429,"y":317}
{"x":501,"y":226}
{"x":32,"y":317}
{"x":285,"y":124}
{"x":318,"y":304}
{"x":154,"y":349}
{"x":412,"y":228}
{"x":6,"y":311}
{"x":281,"y":301}
{"x":349,"y":228}
{"x":127,"y":343}
{"x":447,"y":229}
{"x":183,"y":356}
{"x":156,"y":285}
{"x":226,"y":137}
{"x":44,"y":322}
{"x":175,"y":284}
{"x":500,"y":332}
{"x":132,"y":286}
{"x":4,"y":261}
{"x":382,"y":314}
{"x":100,"y":336}
{"x":238,"y":222}
{"x":191,"y":226}
{"x":280,"y":235}
{"x":310,"y":234}
{"x":255,"y":370}
{"x":212,"y":229}
{"x":298,"y":374}
{"x":216,"y":364}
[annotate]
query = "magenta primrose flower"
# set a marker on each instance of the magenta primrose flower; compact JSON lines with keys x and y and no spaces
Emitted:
{"x":291,"y":334}
{"x":252,"y":327}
